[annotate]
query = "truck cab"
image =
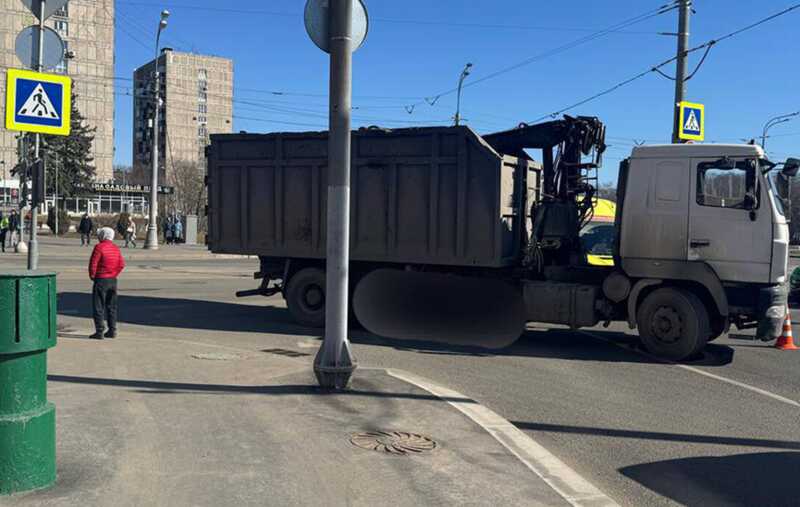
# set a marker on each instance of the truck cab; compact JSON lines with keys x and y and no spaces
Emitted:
{"x":704,"y":220}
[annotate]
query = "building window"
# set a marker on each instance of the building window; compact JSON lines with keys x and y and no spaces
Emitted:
{"x":202,"y":74}
{"x":202,"y":119}
{"x":62,"y":27}
{"x":202,"y":108}
{"x":63,"y":12}
{"x":202,"y":96}
{"x":202,"y":131}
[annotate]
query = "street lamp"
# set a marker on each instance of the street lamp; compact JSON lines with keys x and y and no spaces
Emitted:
{"x":151,"y":243}
{"x":772,"y":122}
{"x":464,"y":74}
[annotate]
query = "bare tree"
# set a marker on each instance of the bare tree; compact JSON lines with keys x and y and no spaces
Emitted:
{"x":190,"y":191}
{"x":607,"y":190}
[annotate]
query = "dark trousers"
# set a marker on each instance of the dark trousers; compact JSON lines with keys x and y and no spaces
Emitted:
{"x":3,"y":239}
{"x":86,"y":238}
{"x":104,"y":303}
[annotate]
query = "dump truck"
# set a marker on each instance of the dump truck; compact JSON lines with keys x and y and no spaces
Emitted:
{"x":464,"y":238}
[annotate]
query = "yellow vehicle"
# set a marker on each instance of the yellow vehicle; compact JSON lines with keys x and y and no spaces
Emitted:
{"x":598,"y":235}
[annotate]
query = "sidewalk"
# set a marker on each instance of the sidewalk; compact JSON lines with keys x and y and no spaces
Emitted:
{"x":162,"y":416}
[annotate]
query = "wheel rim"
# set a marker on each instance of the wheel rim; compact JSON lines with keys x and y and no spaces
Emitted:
{"x":666,"y":325}
{"x":314,"y":297}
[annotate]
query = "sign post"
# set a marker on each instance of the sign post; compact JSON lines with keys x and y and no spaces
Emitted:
{"x":332,"y":25}
{"x":691,"y":121}
{"x":37,"y":102}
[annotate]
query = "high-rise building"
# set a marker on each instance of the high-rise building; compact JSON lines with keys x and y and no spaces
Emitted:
{"x":87,"y":28}
{"x":196,"y":94}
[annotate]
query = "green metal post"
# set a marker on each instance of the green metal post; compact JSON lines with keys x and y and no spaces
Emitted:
{"x":27,"y":419}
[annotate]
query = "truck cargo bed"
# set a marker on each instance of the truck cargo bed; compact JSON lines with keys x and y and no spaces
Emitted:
{"x":436,"y":195}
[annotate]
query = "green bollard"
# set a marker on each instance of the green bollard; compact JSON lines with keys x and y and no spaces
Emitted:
{"x":27,"y":419}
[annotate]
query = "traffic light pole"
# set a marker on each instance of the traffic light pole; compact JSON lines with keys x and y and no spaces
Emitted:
{"x":684,"y":12}
{"x":33,"y":246}
{"x":334,"y":363}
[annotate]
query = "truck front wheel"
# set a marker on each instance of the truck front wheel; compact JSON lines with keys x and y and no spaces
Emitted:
{"x":673,"y":323}
{"x":305,"y":297}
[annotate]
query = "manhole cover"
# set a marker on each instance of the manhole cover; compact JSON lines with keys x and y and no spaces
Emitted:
{"x":393,"y":442}
{"x":217,"y":356}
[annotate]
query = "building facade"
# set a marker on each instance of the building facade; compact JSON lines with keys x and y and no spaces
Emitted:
{"x":87,"y":28}
{"x":196,"y":100}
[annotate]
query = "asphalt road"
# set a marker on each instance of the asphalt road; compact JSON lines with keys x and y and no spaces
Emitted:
{"x":722,"y":429}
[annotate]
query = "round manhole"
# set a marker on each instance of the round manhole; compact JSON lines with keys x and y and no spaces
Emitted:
{"x":399,"y":443}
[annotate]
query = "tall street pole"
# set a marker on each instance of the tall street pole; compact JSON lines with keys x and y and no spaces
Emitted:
{"x":33,"y":247}
{"x":334,"y":363}
{"x":151,"y":243}
{"x":464,"y":74}
{"x":684,"y":11}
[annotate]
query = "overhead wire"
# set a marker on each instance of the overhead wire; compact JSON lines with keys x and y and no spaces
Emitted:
{"x":657,"y":67}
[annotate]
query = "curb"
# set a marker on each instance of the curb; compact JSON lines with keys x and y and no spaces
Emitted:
{"x":555,"y":473}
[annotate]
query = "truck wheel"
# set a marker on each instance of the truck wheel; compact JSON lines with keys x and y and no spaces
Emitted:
{"x":305,"y":297}
{"x":673,"y":323}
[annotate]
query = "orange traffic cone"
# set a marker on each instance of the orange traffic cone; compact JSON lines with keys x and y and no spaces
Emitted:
{"x":785,"y":341}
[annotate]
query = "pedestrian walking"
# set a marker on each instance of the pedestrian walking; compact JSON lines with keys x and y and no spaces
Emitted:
{"x":169,"y":232}
{"x":13,"y":228}
{"x":3,"y":230}
{"x":85,"y":228}
{"x":178,"y":236}
{"x":130,"y":234}
{"x":105,"y":266}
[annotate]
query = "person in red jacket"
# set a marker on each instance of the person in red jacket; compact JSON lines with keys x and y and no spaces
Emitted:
{"x":105,"y":265}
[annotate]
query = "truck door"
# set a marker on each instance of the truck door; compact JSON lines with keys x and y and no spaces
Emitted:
{"x":730,"y":221}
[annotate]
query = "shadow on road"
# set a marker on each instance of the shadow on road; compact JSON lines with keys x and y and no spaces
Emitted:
{"x":161,"y":387}
{"x":603,"y":346}
{"x":189,"y":314}
{"x":657,"y":435}
{"x":740,"y":479}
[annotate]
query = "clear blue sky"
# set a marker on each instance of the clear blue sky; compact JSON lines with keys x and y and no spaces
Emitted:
{"x":417,"y":48}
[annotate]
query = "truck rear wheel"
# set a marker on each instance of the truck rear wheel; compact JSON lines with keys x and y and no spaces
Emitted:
{"x":673,"y":323}
{"x":305,"y":297}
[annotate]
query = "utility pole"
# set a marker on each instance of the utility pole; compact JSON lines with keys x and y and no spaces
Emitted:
{"x":334,"y":362}
{"x":55,"y":199}
{"x":151,"y":243}
{"x":684,"y":11}
{"x":33,"y":247}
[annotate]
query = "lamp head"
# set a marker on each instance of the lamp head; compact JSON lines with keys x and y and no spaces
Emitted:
{"x":164,"y":14}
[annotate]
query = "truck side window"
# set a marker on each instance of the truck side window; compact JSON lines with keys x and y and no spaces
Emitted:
{"x":724,"y":185}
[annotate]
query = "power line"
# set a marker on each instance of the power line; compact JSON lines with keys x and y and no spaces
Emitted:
{"x":656,"y":68}
{"x":492,"y":26}
{"x":430,"y":100}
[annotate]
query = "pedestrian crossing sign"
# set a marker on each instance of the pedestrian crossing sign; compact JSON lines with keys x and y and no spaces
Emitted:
{"x":37,"y":102}
{"x":692,"y":121}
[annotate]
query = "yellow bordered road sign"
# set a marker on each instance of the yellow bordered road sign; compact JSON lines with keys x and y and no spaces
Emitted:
{"x":692,"y":121}
{"x":38,"y":102}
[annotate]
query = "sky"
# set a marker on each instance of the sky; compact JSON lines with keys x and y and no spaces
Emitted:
{"x":530,"y":59}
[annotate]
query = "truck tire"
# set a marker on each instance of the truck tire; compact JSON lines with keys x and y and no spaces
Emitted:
{"x":305,"y":297}
{"x":673,"y":323}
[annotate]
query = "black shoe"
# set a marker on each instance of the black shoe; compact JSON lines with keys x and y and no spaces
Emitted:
{"x":111,"y":333}
{"x":97,"y":336}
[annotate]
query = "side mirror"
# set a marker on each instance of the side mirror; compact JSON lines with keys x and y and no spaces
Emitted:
{"x":791,"y":167}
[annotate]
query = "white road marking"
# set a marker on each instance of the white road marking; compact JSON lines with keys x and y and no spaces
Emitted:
{"x":698,"y":371}
{"x":309,"y":344}
{"x":566,"y":482}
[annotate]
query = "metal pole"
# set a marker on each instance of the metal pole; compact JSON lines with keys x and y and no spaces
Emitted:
{"x":55,"y":201}
{"x":151,"y":243}
{"x":464,"y":74}
{"x":684,"y":12}
{"x":334,"y":363}
{"x":33,"y":247}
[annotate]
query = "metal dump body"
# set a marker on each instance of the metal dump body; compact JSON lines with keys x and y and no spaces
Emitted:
{"x":436,"y":195}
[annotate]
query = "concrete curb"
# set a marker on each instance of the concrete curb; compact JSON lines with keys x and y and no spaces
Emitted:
{"x":561,"y":478}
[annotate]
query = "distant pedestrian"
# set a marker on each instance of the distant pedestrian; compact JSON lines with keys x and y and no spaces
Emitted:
{"x":13,"y":228}
{"x":169,"y":233}
{"x":105,"y":266}
{"x":178,"y":236}
{"x":122,"y":225}
{"x":85,"y":228}
{"x":130,"y":234}
{"x":3,"y":230}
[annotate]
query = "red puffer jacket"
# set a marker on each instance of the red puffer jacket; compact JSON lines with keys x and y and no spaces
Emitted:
{"x":106,"y":261}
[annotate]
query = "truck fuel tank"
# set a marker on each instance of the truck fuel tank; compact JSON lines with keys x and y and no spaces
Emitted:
{"x":451,"y":309}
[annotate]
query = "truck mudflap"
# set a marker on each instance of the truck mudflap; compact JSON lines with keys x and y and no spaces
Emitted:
{"x":451,"y":309}
{"x":773,"y":303}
